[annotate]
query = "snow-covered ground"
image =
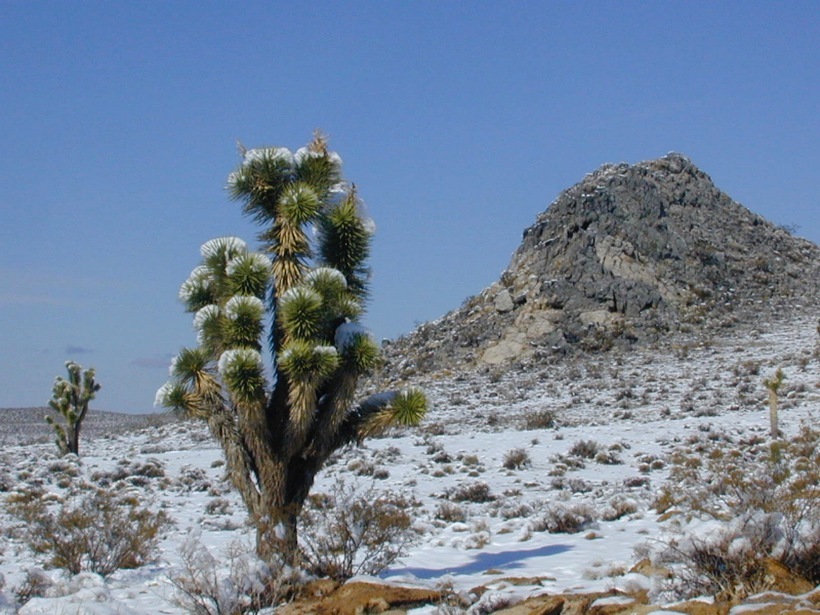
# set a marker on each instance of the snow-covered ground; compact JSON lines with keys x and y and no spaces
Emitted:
{"x":636,"y":407}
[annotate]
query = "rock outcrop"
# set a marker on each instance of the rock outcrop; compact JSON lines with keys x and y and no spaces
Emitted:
{"x":631,"y":254}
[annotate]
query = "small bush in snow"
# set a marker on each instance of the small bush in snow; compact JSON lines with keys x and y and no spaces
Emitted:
{"x":540,"y":419}
{"x":452,"y":513}
{"x":218,"y":506}
{"x":609,"y":458}
{"x":564,"y":519}
{"x":343,"y":533}
{"x":516,"y":459}
{"x":34,"y":586}
{"x":96,"y":530}
{"x":619,"y":506}
{"x":206,"y":586}
{"x":192,"y":479}
{"x":473,"y":492}
{"x":133,"y":472}
{"x":586,"y":449}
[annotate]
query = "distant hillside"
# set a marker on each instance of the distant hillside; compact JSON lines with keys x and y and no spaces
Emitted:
{"x":631,"y":254}
{"x":28,"y":425}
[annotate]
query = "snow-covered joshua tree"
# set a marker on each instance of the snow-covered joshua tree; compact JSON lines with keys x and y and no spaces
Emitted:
{"x":279,"y":424}
{"x":70,"y":400}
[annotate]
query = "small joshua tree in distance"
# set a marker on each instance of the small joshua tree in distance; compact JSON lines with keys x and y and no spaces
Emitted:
{"x":70,"y":400}
{"x":773,"y":385}
{"x":278,"y":419}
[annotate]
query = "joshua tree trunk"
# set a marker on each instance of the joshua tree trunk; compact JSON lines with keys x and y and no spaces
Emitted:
{"x":773,"y":385}
{"x":773,"y":413}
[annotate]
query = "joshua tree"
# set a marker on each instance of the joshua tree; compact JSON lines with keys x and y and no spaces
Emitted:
{"x":279,"y":420}
{"x":774,"y":384}
{"x":70,"y":399}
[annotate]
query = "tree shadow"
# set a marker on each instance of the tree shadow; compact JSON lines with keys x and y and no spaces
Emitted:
{"x":507,"y":560}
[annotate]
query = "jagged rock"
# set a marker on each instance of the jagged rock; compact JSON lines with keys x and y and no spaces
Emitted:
{"x":357,"y":598}
{"x":503,"y":301}
{"x":631,"y":254}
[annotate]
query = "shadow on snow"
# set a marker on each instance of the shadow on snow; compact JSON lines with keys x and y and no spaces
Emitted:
{"x":508,"y":560}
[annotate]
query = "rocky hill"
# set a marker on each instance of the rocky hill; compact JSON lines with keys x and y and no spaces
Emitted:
{"x":641,"y":253}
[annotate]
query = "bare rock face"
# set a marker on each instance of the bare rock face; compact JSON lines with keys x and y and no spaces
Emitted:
{"x":631,"y":254}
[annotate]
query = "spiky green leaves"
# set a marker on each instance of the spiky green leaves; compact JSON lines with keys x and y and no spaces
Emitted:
{"x":243,"y":373}
{"x":218,"y":252}
{"x":194,"y":385}
{"x":305,"y":362}
{"x":317,"y":166}
{"x":299,"y":203}
{"x":176,"y":396}
{"x":359,"y":351}
{"x":243,"y":325}
{"x":300,"y":312}
{"x":249,"y":274}
{"x":197,"y":292}
{"x":313,"y":309}
{"x":226,"y":292}
{"x":409,"y":406}
{"x":259,"y":180}
{"x":344,"y":243}
{"x":379,"y":412}
{"x":227,"y":269}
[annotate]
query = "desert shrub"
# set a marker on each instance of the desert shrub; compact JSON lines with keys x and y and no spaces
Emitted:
{"x":205,"y":585}
{"x":517,"y":510}
{"x":619,"y":506}
{"x":95,"y":530}
{"x":516,"y":459}
{"x":564,"y":519}
{"x":218,"y":506}
{"x":586,"y":449}
{"x":761,"y":500}
{"x":34,"y":586}
{"x":134,"y":472}
{"x":343,"y":533}
{"x":539,"y":419}
{"x":566,"y":463}
{"x":192,"y":479}
{"x":473,"y":492}
{"x":609,"y":458}
{"x":635,"y":482}
{"x":452,"y":513}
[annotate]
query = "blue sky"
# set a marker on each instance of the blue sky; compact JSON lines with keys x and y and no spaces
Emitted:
{"x":458,"y":121}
